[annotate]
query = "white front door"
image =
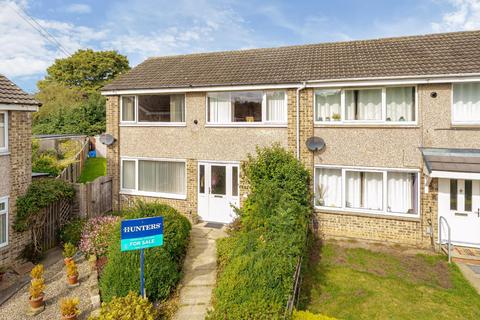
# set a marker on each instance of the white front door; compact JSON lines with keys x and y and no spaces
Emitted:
{"x":217,"y":191}
{"x":459,"y":204}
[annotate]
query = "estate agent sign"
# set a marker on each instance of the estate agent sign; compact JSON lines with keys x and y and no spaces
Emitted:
{"x":139,"y":234}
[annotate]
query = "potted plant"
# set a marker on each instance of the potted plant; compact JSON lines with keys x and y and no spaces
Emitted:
{"x":69,"y":308}
{"x":37,"y":272}
{"x":36,"y":293}
{"x":69,"y":251}
{"x":336,"y":117}
{"x":72,"y":273}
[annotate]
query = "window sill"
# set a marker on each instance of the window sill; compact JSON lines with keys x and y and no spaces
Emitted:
{"x":463,"y":125}
{"x":4,"y":153}
{"x":245,"y":125}
{"x":3,"y":245}
{"x":367,"y":125}
{"x":154,"y":194}
{"x":172,"y":124}
{"x":369,"y":213}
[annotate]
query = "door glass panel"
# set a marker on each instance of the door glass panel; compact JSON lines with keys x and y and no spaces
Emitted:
{"x":468,"y":195}
{"x":202,"y":179}
{"x":218,"y":180}
{"x":453,"y":194}
{"x":235,"y":181}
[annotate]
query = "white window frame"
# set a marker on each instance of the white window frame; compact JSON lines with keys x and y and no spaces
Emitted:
{"x":137,"y":192}
{"x":5,"y":149}
{"x":5,"y":212}
{"x":452,"y":110}
{"x":384,"y":171}
{"x":137,"y":123}
{"x":382,"y":121}
{"x":263,"y":123}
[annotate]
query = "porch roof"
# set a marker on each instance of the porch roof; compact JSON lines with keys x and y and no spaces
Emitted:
{"x":451,"y":160}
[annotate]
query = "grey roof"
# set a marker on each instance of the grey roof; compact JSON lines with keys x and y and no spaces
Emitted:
{"x":434,"y":54}
{"x":453,"y":160}
{"x":10,"y":93}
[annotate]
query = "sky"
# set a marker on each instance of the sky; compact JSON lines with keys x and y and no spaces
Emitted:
{"x":143,"y":28}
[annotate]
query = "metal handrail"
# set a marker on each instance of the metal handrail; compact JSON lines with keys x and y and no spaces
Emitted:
{"x":449,"y":240}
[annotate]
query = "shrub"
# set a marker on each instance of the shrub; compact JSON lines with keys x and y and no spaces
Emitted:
{"x":69,"y":306}
{"x":306,"y":315}
{"x":130,"y":307}
{"x":46,"y":163}
{"x":96,"y":234}
{"x":72,"y":231}
{"x":162,"y":264}
{"x":69,"y":250}
{"x":36,"y":288}
{"x":72,"y":270}
{"x":37,"y":272}
{"x":257,"y":262}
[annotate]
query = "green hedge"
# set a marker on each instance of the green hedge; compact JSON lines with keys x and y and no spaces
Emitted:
{"x":257,"y":262}
{"x":162,"y":264}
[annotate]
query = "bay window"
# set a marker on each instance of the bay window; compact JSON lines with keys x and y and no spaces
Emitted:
{"x":388,"y":105}
{"x":153,"y":109}
{"x":152,"y":177}
{"x":370,"y":190}
{"x":3,"y":131}
{"x":3,"y":221}
{"x":248,"y":107}
{"x":466,"y":103}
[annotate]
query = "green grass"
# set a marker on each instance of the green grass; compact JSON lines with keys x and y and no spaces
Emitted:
{"x":94,"y":168}
{"x":354,"y":283}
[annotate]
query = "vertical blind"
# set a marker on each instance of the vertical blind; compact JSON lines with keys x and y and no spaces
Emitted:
{"x":363,"y":104}
{"x":177,"y":108}
{"x":466,"y":102}
{"x":161,"y":176}
{"x":2,"y":130}
{"x":400,"y":104}
{"x":128,"y":108}
{"x":327,"y":104}
{"x":276,"y":110}
{"x":329,"y":187}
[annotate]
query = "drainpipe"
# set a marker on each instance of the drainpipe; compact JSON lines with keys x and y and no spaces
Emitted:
{"x":303,"y":86}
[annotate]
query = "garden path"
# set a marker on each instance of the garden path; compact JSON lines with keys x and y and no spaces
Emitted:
{"x":199,"y":272}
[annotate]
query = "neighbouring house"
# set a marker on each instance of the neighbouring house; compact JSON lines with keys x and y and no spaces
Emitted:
{"x":16,"y":109}
{"x":400,"y":118}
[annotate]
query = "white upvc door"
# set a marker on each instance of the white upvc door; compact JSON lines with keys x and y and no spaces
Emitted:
{"x":459,"y":204}
{"x":218,"y":190}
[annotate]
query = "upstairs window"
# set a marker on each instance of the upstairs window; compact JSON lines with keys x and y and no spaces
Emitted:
{"x":466,"y":103}
{"x":247,"y":107}
{"x":389,"y":105}
{"x":3,"y":132}
{"x":150,"y":109}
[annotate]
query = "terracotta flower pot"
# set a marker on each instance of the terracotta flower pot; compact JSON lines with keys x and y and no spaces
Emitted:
{"x":36,"y":303}
{"x":67,"y":260}
{"x":72,"y":279}
{"x":70,"y":317}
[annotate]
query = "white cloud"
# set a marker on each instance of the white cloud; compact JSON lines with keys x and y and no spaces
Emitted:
{"x":465,"y":15}
{"x":79,"y":8}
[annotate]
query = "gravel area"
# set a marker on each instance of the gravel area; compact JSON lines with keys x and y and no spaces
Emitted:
{"x":56,"y":288}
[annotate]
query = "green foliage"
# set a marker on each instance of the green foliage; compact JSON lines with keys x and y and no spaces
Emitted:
{"x":46,"y":163}
{"x":69,"y":250}
{"x":94,"y":168}
{"x":162,"y":264}
{"x":87,"y":69}
{"x":52,"y":161}
{"x":258,"y":260}
{"x":130,"y":307}
{"x":39,"y":195}
{"x":305,"y":315}
{"x":72,"y":231}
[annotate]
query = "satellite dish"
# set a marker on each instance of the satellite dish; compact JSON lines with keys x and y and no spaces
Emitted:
{"x":315,"y":144}
{"x":107,"y":139}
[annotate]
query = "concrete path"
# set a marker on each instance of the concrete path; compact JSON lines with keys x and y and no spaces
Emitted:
{"x":470,"y":275}
{"x":199,"y":273}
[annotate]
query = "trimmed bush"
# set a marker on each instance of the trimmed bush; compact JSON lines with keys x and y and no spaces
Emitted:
{"x":306,"y":315}
{"x":257,"y":262}
{"x":72,"y":231}
{"x":162,"y":264}
{"x":131,"y":307}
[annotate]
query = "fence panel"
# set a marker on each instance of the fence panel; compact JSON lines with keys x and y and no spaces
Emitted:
{"x":74,"y":169}
{"x":56,"y":215}
{"x":94,"y":198}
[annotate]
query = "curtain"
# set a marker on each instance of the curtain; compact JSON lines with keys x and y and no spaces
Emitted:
{"x":327,"y":104}
{"x":363,"y":104}
{"x":353,"y":189}
{"x":177,"y":108}
{"x":466,"y":102}
{"x":219,"y":108}
{"x":2,"y":130}
{"x":329,"y":188}
{"x":276,"y":107}
{"x":400,"y":104}
{"x":161,"y":176}
{"x":400,"y":188}
{"x":364,"y":190}
{"x":128,"y":108}
{"x":128,"y":175}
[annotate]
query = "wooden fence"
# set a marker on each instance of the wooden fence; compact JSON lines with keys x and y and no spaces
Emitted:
{"x":55,"y":215}
{"x":94,"y":198}
{"x":74,"y":169}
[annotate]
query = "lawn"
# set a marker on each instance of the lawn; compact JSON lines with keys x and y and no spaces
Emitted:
{"x":346,"y":281}
{"x":94,"y":168}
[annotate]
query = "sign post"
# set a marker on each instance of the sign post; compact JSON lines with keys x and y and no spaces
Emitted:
{"x":139,"y":234}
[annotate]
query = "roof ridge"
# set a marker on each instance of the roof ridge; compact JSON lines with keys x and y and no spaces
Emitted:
{"x":343,"y":42}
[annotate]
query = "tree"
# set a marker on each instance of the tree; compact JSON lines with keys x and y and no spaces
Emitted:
{"x":87,"y":70}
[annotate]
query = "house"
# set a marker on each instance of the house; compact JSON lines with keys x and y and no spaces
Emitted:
{"x":400,"y":118}
{"x":16,"y":109}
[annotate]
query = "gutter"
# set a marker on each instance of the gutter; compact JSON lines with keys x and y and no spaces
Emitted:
{"x":297,"y":109}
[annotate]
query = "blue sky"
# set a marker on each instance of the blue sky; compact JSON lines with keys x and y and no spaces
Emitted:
{"x":140,"y":29}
